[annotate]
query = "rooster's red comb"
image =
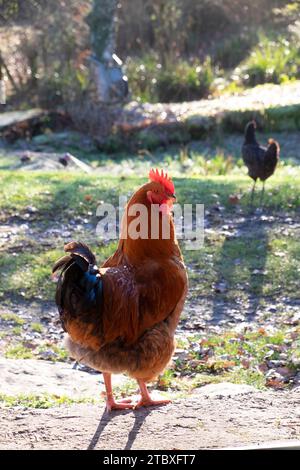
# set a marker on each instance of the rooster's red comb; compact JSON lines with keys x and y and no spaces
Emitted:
{"x":163,"y":178}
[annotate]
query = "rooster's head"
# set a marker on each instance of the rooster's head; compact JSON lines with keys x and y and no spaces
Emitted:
{"x":161,"y":189}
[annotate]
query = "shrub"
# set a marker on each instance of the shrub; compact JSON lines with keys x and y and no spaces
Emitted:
{"x":231,"y":51}
{"x":142,"y":77}
{"x":181,"y":81}
{"x":185,"y":82}
{"x":271,"y":62}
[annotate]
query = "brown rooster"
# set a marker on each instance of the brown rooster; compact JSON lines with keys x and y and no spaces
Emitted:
{"x":260,"y":161}
{"x":122,"y":317}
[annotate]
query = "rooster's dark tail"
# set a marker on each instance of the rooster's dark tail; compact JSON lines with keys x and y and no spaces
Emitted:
{"x":79,"y":287}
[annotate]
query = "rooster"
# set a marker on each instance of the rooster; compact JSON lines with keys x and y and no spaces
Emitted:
{"x":260,"y":161}
{"x":121,"y":317}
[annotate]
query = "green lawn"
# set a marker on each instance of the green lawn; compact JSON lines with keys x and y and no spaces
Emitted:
{"x":61,"y":199}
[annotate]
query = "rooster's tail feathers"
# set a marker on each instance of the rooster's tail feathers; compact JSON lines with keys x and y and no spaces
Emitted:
{"x":80,"y":253}
{"x":79,"y":287}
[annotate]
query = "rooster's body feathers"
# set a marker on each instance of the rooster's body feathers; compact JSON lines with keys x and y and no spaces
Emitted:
{"x":121,"y":317}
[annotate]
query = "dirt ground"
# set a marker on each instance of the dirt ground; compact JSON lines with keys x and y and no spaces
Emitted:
{"x":215,"y":416}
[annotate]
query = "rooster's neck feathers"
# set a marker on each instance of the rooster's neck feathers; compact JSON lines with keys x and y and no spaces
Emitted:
{"x":138,"y":249}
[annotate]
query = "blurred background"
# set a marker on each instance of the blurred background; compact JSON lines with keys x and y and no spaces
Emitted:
{"x":172,"y":50}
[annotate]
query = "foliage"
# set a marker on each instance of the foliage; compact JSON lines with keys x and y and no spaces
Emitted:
{"x":45,"y":53}
{"x":271,"y":61}
{"x":177,"y":81}
{"x":187,"y":28}
{"x":233,"y":49}
{"x":142,"y":75}
{"x":100,"y":21}
{"x":185,"y":82}
{"x":20,"y":11}
{"x":45,"y":45}
{"x":224,"y":31}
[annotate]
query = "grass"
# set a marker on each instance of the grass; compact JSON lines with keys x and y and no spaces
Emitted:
{"x":248,"y":61}
{"x":12,"y":319}
{"x":19,"y":351}
{"x":271,"y":61}
{"x":68,"y":195}
{"x":42,"y":350}
{"x":37,"y":327}
{"x":264,"y":263}
{"x":61,"y":200}
{"x":261,"y":261}
{"x":232,"y":356}
{"x":59,"y":353}
{"x":42,"y":401}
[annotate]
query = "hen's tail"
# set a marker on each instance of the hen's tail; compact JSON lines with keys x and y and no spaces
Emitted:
{"x":273,"y":149}
{"x":271,"y":157}
{"x":79,"y":287}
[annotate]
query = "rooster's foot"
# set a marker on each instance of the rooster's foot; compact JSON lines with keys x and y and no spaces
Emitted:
{"x":125,"y":404}
{"x":150,"y":402}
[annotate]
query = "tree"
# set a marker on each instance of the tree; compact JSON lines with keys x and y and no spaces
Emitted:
{"x":101,"y":24}
{"x":111,"y":84}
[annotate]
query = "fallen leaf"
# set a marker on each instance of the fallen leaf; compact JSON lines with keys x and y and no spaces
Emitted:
{"x":263,"y":368}
{"x":234,"y":199}
{"x":275,"y":382}
{"x":262,"y":331}
{"x":245,"y":363}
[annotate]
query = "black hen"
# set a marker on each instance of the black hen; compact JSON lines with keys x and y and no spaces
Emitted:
{"x":260,"y":161}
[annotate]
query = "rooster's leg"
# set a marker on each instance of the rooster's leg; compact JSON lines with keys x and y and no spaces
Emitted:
{"x":252,"y":193}
{"x":111,"y":404}
{"x":146,"y":400}
{"x":262,"y":194}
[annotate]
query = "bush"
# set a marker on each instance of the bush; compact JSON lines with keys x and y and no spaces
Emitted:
{"x":149,"y":81}
{"x":230,"y":52}
{"x":185,"y":82}
{"x":142,"y":77}
{"x":271,"y":62}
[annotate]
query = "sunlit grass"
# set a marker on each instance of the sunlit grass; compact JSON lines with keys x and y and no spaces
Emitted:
{"x":18,"y":351}
{"x":60,"y":198}
{"x":231,"y":356}
{"x":41,"y":401}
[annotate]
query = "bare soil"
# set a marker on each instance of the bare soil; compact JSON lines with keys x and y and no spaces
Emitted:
{"x":214,"y":416}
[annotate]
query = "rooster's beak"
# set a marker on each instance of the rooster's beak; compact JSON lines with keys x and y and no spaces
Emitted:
{"x":173,"y":196}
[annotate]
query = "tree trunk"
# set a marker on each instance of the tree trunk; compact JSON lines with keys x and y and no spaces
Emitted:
{"x":107,"y":74}
{"x":9,"y":76}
